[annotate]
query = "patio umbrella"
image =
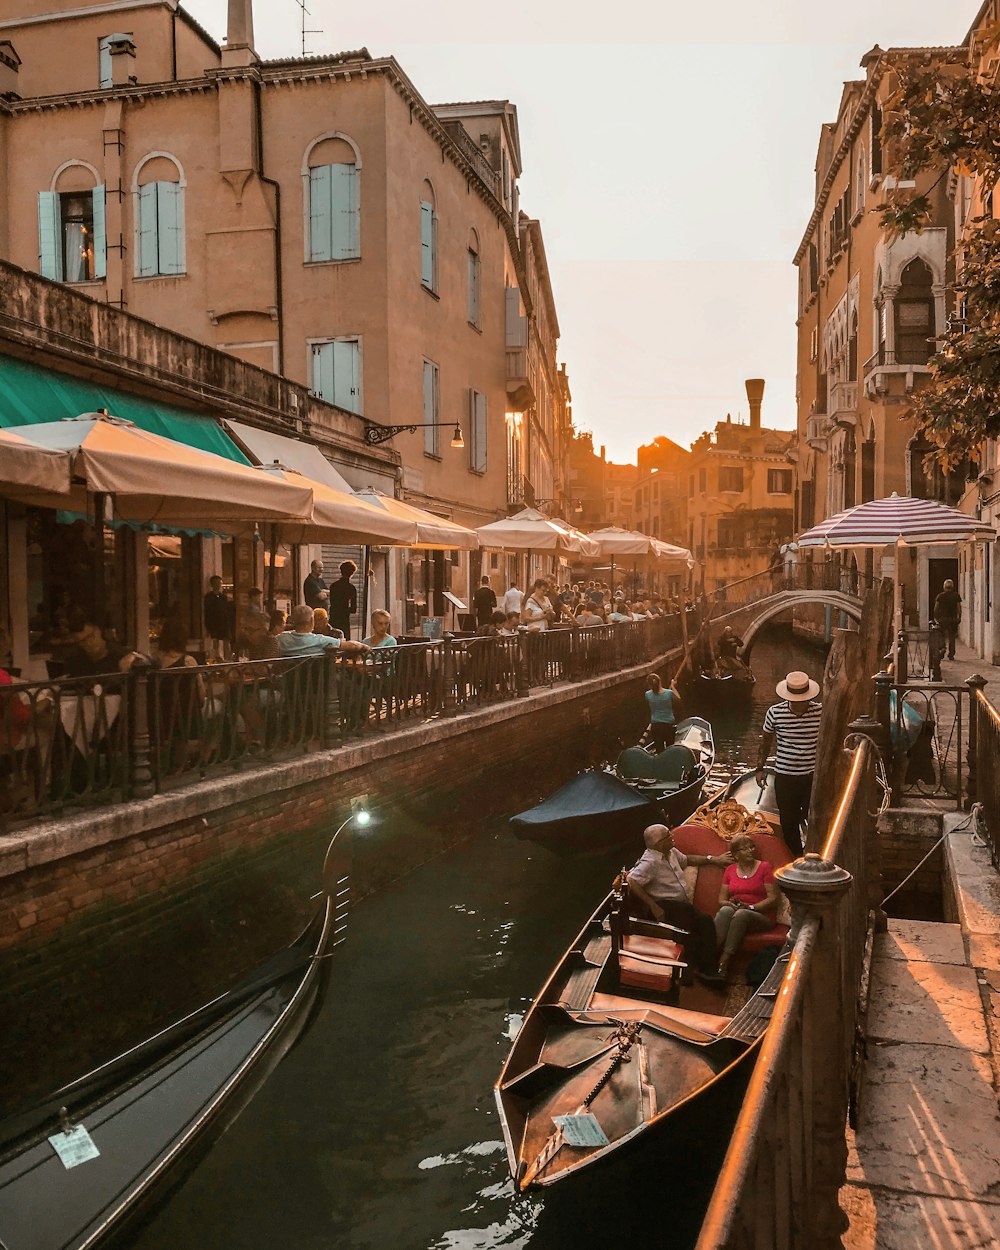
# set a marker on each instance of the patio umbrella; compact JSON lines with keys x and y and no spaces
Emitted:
{"x":27,"y":469}
{"x":532,"y":531}
{"x":898,"y":522}
{"x":337,"y":516}
{"x":157,"y":480}
{"x":613,"y":541}
{"x":432,"y":532}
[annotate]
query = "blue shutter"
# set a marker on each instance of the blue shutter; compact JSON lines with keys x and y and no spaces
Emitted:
{"x":430,"y":408}
{"x":473,"y":287}
{"x":345,"y":184}
{"x":320,"y":223}
{"x":481,"y":433}
{"x":105,"y":62}
{"x":147,"y":261}
{"x":170,"y":257}
{"x":347,"y":375}
{"x":100,"y":234}
{"x":50,"y":264}
{"x":322,"y":370}
{"x":427,"y":244}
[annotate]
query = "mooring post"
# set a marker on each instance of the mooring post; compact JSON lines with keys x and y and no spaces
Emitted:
{"x":142,"y":782}
{"x":975,"y":683}
{"x":815,"y":886}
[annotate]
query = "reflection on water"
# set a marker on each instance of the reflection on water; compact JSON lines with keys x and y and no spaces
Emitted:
{"x":379,"y":1131}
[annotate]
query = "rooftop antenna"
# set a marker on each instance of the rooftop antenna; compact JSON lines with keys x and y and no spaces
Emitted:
{"x":305,"y":31}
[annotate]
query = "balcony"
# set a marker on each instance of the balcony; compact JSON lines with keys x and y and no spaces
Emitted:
{"x":474,"y":156}
{"x":883,"y":365}
{"x":844,"y":403}
{"x":818,"y":430}
{"x":520,"y":391}
{"x":520,"y":492}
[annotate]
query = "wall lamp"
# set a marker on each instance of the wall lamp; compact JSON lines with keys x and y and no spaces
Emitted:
{"x":375,"y":434}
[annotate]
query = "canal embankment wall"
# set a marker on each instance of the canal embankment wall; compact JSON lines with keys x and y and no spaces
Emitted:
{"x":137,"y":899}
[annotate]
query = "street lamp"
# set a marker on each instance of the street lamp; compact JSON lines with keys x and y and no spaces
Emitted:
{"x":375,"y":434}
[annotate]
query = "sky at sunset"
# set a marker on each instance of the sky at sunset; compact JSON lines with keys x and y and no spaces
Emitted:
{"x":672,"y":174}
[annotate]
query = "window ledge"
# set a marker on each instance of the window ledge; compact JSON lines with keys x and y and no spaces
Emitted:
{"x":478,"y":472}
{"x":342,"y":260}
{"x":157,"y":277}
{"x":478,"y":329}
{"x":433,"y":455}
{"x":433,"y":294}
{"x":86,"y":282}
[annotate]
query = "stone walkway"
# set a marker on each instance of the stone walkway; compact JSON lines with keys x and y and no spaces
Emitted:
{"x":924,"y":1164}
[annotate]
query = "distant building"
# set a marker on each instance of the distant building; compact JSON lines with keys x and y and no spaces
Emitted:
{"x":740,"y":485}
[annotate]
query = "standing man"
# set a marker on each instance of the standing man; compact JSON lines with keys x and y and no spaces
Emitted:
{"x":314,"y":588}
{"x":343,"y":598}
{"x":794,"y":726}
{"x":512,"y":599}
{"x":485,"y":603}
{"x":948,"y":612}
{"x":218,"y":616}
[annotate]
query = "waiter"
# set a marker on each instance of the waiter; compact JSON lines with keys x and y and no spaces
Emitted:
{"x":791,"y":730}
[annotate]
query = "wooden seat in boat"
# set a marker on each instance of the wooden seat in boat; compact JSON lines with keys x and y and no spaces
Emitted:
{"x":617,"y":1006}
{"x":649,"y":956}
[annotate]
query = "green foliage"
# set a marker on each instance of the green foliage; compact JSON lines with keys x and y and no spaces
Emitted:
{"x":942,"y":118}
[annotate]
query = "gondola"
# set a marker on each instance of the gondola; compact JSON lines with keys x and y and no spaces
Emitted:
{"x":80,"y":1167}
{"x":717,"y":683}
{"x":625,"y":1066}
{"x":600,"y":809}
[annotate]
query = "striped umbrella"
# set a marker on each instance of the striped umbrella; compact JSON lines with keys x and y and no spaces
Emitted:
{"x":898,"y":522}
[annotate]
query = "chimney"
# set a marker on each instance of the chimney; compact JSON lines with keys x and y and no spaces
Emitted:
{"x":755,"y":394}
{"x":9,"y":62}
{"x":239,"y":49}
{"x":122,"y":52}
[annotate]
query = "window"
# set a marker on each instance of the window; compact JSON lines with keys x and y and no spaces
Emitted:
{"x":914,"y":315}
{"x":474,"y":279}
{"x":813,"y":344}
{"x":730,"y":479}
{"x":428,"y":244}
{"x":702,"y":480}
{"x":850,"y":456}
{"x":105,"y":75}
{"x":876,"y":140}
{"x":691,"y":486}
{"x":477,"y":432}
{"x":72,"y":239}
{"x":729,"y":534}
{"x":159,"y":226}
{"x":431,"y":400}
{"x":779,"y":481}
{"x":336,"y":372}
{"x":332,"y":178}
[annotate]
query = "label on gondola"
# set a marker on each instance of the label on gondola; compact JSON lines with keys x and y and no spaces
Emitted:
{"x":581,"y":1130}
{"x":74,"y":1147}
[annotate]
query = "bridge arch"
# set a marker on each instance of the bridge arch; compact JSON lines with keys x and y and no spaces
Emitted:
{"x":759,"y":614}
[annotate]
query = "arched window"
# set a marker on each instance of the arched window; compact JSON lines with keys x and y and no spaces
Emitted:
{"x":72,"y":237}
{"x":914,"y":315}
{"x":859,"y":195}
{"x":428,"y":238}
{"x":850,"y":469}
{"x":474,"y":279}
{"x":331,"y":175}
{"x":852,"y":349}
{"x":158,"y":203}
{"x":868,"y":467}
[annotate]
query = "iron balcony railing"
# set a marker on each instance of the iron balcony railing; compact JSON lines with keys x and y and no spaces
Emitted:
{"x":910,"y":356}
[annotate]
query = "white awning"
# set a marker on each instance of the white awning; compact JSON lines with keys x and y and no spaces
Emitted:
{"x":290,"y":453}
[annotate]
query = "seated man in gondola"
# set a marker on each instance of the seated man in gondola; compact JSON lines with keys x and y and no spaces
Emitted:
{"x":727,"y":652}
{"x":657,"y":881}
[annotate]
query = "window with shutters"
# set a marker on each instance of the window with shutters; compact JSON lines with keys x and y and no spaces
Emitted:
{"x":477,"y":432}
{"x":914,"y":315}
{"x":475,"y":277}
{"x":779,"y":481}
{"x":428,"y":240}
{"x":331,"y":177}
{"x":72,"y":236}
{"x":158,"y":203}
{"x":730,"y":478}
{"x":432,"y":441}
{"x":336,"y":372}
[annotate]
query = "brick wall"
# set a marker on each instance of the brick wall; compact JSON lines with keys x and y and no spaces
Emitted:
{"x":905,"y":837}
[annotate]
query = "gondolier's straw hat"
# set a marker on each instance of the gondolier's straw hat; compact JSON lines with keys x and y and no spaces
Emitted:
{"x":797,"y":687}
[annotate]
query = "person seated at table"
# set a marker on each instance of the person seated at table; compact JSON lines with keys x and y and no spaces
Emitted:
{"x":492,"y":627}
{"x":301,"y":640}
{"x":279,"y":621}
{"x":92,"y":655}
{"x":321,"y":622}
{"x":180,"y":698}
{"x":620,"y":611}
{"x":512,"y":623}
{"x":380,"y":636}
{"x":254,"y":640}
{"x":748,"y":899}
{"x":585,"y":615}
{"x":657,"y":882}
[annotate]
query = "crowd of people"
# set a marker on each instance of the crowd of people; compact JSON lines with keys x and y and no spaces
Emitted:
{"x":553,"y":605}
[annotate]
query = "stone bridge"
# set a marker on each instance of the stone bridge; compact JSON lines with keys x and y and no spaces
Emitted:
{"x":748,"y":605}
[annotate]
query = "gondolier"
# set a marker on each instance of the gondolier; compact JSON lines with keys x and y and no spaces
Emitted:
{"x":791,"y":729}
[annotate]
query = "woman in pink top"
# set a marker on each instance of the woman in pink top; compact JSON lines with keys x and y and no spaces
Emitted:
{"x":747,"y":901}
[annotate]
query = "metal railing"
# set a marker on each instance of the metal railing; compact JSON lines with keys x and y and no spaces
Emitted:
{"x":787,"y":1158}
{"x":803,"y":575}
{"x":65,"y":743}
{"x":984,"y":752}
{"x":915,"y":356}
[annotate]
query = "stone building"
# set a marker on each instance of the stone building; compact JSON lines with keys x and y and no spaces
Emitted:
{"x":740,"y":483}
{"x":869,"y":310}
{"x":313,"y":216}
{"x":660,"y":496}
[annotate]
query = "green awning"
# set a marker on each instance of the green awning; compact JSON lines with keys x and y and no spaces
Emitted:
{"x":30,"y":395}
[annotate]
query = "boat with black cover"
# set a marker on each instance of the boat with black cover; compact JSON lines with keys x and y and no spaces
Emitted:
{"x":78,"y":1168}
{"x":674,"y":777}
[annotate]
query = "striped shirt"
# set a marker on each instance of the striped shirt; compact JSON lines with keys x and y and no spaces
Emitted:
{"x":796,"y":736}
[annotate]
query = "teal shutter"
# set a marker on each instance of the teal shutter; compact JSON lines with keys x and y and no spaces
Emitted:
{"x":345,"y":182}
{"x":320,"y":204}
{"x":170,"y":228}
{"x":100,"y":233}
{"x":427,"y":244}
{"x":322,"y":372}
{"x":477,"y":432}
{"x":147,"y":264}
{"x":50,"y":263}
{"x":347,"y":375}
{"x":430,"y":408}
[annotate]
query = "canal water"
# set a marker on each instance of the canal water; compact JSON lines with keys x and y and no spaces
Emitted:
{"x":379,"y":1131}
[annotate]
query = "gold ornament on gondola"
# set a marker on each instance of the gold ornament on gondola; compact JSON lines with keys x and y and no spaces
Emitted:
{"x":729,"y":819}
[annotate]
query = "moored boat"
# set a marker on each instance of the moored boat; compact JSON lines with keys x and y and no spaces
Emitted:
{"x":83,"y":1164}
{"x":723,"y":683}
{"x":675,"y":777}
